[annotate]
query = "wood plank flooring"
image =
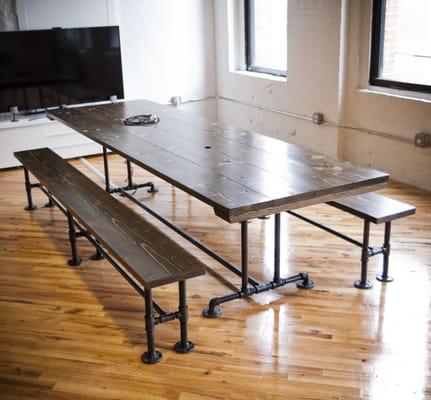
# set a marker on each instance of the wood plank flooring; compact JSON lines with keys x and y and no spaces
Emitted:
{"x":77,"y":333}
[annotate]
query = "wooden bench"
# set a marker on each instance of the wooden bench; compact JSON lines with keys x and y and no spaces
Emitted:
{"x":143,"y":254}
{"x":375,"y":208}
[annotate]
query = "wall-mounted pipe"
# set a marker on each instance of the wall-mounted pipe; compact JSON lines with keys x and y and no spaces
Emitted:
{"x":330,"y":123}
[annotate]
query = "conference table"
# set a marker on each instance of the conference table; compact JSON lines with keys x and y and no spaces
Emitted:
{"x":241,"y":174}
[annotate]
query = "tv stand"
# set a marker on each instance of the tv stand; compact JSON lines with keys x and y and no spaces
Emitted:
{"x":36,"y":130}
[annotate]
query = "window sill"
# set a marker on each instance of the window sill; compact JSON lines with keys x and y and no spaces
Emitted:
{"x":397,"y":93}
{"x":261,"y":75}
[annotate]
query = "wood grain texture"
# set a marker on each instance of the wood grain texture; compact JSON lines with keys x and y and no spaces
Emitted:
{"x":374,"y":207}
{"x":241,"y":174}
{"x":77,"y":333}
{"x":151,"y":257}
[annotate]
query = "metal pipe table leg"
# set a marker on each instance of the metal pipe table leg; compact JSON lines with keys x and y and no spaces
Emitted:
{"x":133,"y":186}
{"x":129,"y":174}
{"x":363,"y":283}
{"x":302,"y":279}
{"x":151,"y":356}
{"x":244,"y":256}
{"x":384,"y":277}
{"x":213,"y":310}
{"x":106,"y":170}
{"x":184,"y":345}
{"x":277,"y":224}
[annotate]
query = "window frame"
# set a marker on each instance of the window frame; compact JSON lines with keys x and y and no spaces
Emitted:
{"x":249,"y":44}
{"x":376,"y":56}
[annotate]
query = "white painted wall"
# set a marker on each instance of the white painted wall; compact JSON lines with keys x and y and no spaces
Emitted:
{"x":168,"y":48}
{"x":312,"y":81}
{"x":46,"y":14}
{"x":397,"y":114}
{"x":167,"y":45}
{"x":328,"y":42}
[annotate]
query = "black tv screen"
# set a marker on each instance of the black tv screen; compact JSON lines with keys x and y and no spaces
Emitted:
{"x":48,"y":68}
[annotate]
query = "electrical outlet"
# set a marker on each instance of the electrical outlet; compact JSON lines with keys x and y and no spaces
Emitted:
{"x":318,"y":118}
{"x":175,"y":100}
{"x":423,"y":139}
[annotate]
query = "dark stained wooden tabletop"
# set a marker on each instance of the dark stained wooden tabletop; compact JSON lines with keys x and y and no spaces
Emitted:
{"x":241,"y":174}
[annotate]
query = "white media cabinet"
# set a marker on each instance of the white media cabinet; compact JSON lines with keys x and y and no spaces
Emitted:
{"x":42,"y":132}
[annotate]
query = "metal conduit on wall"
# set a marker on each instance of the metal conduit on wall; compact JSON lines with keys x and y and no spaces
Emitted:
{"x":306,"y":118}
{"x":329,"y":123}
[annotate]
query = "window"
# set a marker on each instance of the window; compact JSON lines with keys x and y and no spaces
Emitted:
{"x":266,"y":36}
{"x":401,"y":44}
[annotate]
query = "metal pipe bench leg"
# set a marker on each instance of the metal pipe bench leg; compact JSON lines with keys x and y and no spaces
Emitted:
{"x":184,"y":345}
{"x":50,"y":203}
{"x":30,"y":205}
{"x":75,"y":260}
{"x":384,"y":277}
{"x":151,"y":356}
{"x":363,"y":283}
{"x":97,"y":255}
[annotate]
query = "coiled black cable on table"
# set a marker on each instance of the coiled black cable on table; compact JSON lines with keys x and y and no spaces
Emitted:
{"x":144,"y":119}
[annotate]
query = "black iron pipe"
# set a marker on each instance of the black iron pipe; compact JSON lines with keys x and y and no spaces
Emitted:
{"x":183,"y":309}
{"x":262,"y":287}
{"x":387,"y":251}
{"x":277,"y":224}
{"x":129,"y":174}
{"x":186,"y":236}
{"x":124,"y":274}
{"x":166,"y":317}
{"x":325,"y":228}
{"x":244,"y":256}
{"x":363,"y":283}
{"x":106,"y":170}
{"x":152,"y":355}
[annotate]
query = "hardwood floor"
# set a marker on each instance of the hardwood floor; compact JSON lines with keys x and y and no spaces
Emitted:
{"x":77,"y":333}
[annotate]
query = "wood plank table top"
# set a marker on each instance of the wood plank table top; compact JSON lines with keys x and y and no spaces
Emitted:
{"x":241,"y":174}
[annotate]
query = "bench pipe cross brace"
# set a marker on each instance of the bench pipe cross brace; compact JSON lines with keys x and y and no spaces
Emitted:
{"x":366,"y":250}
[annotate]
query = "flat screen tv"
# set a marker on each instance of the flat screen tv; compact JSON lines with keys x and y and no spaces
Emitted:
{"x":42,"y":69}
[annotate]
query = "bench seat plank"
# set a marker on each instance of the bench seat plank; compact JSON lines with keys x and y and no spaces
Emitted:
{"x":152,"y":258}
{"x":374,"y":207}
